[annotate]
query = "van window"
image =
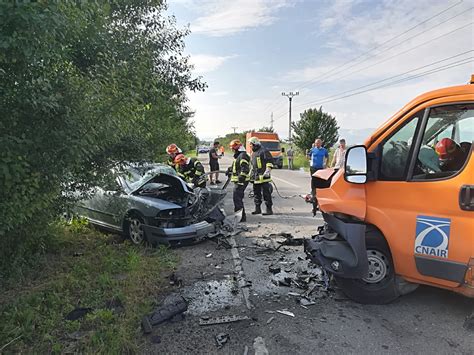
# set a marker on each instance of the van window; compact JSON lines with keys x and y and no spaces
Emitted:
{"x":396,"y":151}
{"x":271,"y":146}
{"x":446,"y":142}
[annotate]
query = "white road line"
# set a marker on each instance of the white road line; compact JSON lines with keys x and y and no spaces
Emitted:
{"x":286,"y":182}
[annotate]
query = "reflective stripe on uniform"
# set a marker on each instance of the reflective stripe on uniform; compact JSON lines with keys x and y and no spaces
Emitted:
{"x":259,"y":163}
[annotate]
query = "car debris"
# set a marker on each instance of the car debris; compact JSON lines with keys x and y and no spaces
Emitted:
{"x":164,"y":313}
{"x":221,"y":339}
{"x":78,"y":313}
{"x":259,"y":346}
{"x":274,"y":269}
{"x":250,"y":258}
{"x":175,"y":280}
{"x":469,"y":322}
{"x":246,"y":350}
{"x":271,"y":319}
{"x":286,"y":313}
{"x":209,"y":255}
{"x":221,"y":320}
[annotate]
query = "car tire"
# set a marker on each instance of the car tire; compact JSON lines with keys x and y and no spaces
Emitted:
{"x":134,"y":228}
{"x":379,"y":287}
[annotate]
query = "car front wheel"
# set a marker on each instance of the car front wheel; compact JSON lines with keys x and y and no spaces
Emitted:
{"x":379,"y":286}
{"x":135,"y":229}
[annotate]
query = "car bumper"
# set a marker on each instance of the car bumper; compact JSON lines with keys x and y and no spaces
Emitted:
{"x":340,"y":249}
{"x":193,"y":232}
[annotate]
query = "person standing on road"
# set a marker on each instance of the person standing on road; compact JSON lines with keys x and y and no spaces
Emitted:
{"x":190,"y":170}
{"x":290,"y":155}
{"x":214,"y":164}
{"x":262,"y":164}
{"x":239,"y":174}
{"x":318,"y":156}
{"x":172,"y":150}
{"x":339,"y":155}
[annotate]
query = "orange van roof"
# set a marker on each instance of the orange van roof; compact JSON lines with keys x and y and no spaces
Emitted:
{"x":428,"y":96}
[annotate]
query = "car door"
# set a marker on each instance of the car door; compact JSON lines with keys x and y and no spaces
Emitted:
{"x":415,"y":201}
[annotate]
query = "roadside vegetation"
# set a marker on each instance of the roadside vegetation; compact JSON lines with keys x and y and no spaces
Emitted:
{"x":118,"y":281}
{"x":95,"y":84}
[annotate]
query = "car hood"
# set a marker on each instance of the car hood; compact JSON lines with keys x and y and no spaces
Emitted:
{"x":156,"y":178}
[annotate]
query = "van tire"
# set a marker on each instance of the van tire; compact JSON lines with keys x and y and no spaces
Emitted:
{"x":380,"y":286}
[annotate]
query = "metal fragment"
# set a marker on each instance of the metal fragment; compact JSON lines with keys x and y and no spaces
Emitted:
{"x":222,"y":320}
{"x":286,"y":313}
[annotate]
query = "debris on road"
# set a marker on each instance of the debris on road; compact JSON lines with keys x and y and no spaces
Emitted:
{"x":246,"y":350}
{"x":209,"y":255}
{"x":78,"y":313}
{"x":175,"y":281}
{"x":163,"y":314}
{"x":221,"y":320}
{"x":469,"y":322}
{"x":270,"y":320}
{"x":259,"y":346}
{"x":250,"y":258}
{"x":286,"y":313}
{"x":274,"y":269}
{"x":221,"y":339}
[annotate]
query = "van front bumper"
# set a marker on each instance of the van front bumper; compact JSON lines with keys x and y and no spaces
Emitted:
{"x":340,"y":248}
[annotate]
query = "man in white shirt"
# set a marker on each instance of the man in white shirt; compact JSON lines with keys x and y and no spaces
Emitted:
{"x":339,"y":155}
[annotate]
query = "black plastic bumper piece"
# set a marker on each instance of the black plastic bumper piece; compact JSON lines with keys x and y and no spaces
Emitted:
{"x":340,"y":248}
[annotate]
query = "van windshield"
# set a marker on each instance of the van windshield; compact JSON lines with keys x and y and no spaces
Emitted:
{"x":272,"y":146}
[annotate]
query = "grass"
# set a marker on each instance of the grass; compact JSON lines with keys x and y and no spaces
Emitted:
{"x":91,"y":270}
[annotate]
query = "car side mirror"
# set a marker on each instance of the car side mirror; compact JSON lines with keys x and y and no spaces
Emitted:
{"x":355,"y":166}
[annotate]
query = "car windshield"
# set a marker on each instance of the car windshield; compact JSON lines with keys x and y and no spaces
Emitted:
{"x":134,"y":177}
{"x":273,"y":146}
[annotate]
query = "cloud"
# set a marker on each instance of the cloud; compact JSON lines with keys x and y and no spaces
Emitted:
{"x":225,"y":18}
{"x":205,"y":63}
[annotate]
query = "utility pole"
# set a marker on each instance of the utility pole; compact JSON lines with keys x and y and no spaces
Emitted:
{"x":234,"y":128}
{"x":271,"y":121}
{"x":290,"y":98}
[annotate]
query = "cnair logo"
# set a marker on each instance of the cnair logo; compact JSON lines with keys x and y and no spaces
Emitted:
{"x":432,"y":236}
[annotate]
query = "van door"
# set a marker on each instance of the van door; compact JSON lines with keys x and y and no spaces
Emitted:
{"x":416,"y":201}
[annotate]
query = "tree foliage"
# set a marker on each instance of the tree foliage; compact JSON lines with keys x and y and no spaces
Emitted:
{"x":83,"y":86}
{"x":315,"y":124}
{"x":266,"y":129}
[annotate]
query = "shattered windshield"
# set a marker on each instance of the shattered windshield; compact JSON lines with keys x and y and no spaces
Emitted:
{"x":134,"y":177}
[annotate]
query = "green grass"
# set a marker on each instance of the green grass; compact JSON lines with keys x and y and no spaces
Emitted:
{"x":32,"y":312}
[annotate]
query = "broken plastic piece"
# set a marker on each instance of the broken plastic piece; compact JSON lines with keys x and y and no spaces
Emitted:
{"x":164,"y":313}
{"x":286,"y":313}
{"x":270,"y":320}
{"x":221,"y":339}
{"x":274,"y":269}
{"x":221,"y":320}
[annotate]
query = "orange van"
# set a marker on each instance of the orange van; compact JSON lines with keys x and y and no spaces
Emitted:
{"x":271,"y":142}
{"x":401,"y":213}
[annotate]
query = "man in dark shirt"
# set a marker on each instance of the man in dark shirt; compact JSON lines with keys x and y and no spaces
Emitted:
{"x":214,"y":164}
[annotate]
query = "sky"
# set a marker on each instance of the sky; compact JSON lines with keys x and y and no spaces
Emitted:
{"x":250,"y":51}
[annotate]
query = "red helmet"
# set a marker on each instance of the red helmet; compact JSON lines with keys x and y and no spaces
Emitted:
{"x":446,"y":148}
{"x":180,"y":159}
{"x":235,"y":144}
{"x":172,"y":149}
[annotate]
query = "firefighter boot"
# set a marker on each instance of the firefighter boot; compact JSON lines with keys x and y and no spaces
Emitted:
{"x":244,"y":216}
{"x":258,"y":210}
{"x":268,"y":211}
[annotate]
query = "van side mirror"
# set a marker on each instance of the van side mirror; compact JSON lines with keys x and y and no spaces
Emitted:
{"x":283,"y":149}
{"x":355,"y":166}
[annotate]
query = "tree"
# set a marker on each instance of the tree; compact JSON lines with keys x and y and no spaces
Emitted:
{"x":84,"y":86}
{"x":266,"y":129}
{"x":314,"y":124}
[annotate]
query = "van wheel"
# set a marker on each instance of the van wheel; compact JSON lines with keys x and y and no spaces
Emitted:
{"x":134,"y":228}
{"x":379,"y":286}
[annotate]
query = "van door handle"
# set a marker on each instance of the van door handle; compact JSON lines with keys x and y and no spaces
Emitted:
{"x":466,"y":198}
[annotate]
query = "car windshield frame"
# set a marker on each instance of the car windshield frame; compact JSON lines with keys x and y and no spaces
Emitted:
{"x":142,"y":177}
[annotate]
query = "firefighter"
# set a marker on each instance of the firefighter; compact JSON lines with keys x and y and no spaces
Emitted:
{"x":262,"y":164}
{"x":190,"y":170}
{"x":172,"y":150}
{"x":239,"y":174}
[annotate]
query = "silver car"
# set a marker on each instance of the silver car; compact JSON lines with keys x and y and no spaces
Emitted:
{"x":151,"y":203}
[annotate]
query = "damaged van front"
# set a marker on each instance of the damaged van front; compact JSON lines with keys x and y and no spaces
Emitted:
{"x":400,"y":213}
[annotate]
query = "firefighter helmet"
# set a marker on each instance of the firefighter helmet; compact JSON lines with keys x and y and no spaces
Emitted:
{"x":446,"y":149}
{"x":172,"y":149}
{"x":180,"y":159}
{"x":235,"y":144}
{"x":254,"y":141}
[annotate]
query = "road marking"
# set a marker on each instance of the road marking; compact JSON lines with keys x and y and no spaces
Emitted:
{"x":286,"y":182}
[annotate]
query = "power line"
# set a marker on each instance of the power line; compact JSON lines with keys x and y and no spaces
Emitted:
{"x":398,"y":54}
{"x":326,"y":76}
{"x":428,"y":72}
{"x":388,"y":41}
{"x":395,"y":76}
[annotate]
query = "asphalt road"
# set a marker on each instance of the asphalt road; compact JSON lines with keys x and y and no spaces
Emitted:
{"x":237,"y":281}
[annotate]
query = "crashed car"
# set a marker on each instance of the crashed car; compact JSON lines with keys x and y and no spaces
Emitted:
{"x":151,"y":203}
